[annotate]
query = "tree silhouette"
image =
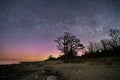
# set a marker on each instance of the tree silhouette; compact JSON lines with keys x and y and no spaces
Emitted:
{"x":68,"y":44}
{"x":50,"y":57}
{"x":106,"y":44}
{"x":109,"y":47}
{"x":94,"y":47}
{"x":115,"y":37}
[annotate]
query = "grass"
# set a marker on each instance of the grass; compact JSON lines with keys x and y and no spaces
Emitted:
{"x":78,"y":71}
{"x":92,"y":69}
{"x":88,"y":69}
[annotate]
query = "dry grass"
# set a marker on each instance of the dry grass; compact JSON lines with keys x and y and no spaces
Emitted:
{"x":88,"y":71}
{"x":97,"y":69}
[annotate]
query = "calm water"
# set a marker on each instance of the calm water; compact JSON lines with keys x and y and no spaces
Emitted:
{"x":8,"y":62}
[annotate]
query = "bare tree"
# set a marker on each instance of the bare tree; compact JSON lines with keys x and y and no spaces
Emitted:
{"x":94,"y":47}
{"x":68,"y":44}
{"x":106,"y":44}
{"x":106,"y":47}
{"x":115,"y":37}
{"x":91,"y":47}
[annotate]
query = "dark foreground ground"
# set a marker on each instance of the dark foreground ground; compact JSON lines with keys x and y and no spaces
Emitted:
{"x":29,"y":71}
{"x":57,"y":70}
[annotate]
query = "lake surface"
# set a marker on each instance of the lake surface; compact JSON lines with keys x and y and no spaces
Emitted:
{"x":8,"y":62}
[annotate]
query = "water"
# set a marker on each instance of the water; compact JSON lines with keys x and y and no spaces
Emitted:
{"x":8,"y":62}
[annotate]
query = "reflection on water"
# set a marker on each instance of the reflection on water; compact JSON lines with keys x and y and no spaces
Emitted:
{"x":9,"y":62}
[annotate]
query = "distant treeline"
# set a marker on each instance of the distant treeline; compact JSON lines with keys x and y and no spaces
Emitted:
{"x":105,"y":48}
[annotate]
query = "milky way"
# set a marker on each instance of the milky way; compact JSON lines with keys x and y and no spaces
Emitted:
{"x":28,"y":27}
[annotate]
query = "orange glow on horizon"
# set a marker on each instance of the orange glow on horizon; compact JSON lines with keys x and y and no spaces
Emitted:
{"x":26,"y":57}
{"x":27,"y":53}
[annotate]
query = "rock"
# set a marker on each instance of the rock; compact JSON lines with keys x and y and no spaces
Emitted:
{"x":36,"y":76}
{"x":43,"y":71}
{"x":52,"y":77}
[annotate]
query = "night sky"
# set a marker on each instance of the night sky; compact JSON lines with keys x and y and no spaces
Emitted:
{"x":28,"y":28}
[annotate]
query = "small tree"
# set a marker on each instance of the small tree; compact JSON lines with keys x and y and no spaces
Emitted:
{"x":50,"y":57}
{"x":68,"y":44}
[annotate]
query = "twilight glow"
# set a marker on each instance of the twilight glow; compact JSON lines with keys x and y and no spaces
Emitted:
{"x":28,"y":28}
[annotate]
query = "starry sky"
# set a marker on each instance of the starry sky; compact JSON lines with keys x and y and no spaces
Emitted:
{"x":28,"y":28}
